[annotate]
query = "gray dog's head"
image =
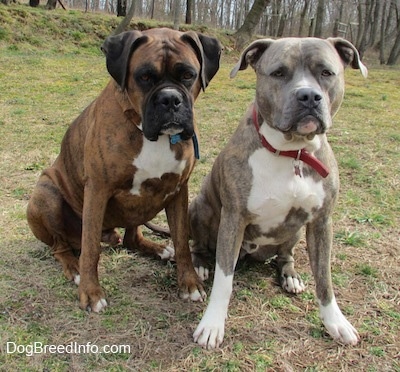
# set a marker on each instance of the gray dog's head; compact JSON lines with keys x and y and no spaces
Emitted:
{"x":300,"y":81}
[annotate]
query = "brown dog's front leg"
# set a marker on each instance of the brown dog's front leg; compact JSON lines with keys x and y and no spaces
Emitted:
{"x":190,"y":285}
{"x":91,"y":295}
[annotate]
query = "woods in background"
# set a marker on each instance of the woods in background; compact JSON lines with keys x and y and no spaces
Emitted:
{"x":366,"y":23}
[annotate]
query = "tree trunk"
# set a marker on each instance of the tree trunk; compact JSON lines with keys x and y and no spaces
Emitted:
{"x":395,"y":52}
{"x":189,"y":11}
{"x":244,"y":34}
{"x":126,"y":20}
{"x":282,"y":24}
{"x":374,"y":22}
{"x":319,"y":18}
{"x":302,"y":16}
{"x":368,"y":21}
{"x":51,"y":4}
{"x":382,"y":36}
{"x":177,"y":7}
{"x":121,"y":8}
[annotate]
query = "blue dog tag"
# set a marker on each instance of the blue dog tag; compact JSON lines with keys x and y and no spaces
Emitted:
{"x":175,"y":138}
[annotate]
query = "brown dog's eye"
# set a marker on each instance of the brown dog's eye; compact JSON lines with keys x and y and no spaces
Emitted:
{"x":145,"y":77}
{"x":187,"y":75}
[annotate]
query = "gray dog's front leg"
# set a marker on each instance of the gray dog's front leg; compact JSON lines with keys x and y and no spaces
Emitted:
{"x":319,"y":241}
{"x":210,"y":331}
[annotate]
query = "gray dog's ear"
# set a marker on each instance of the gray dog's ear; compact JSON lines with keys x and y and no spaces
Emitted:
{"x":118,"y":50}
{"x":349,"y":54}
{"x":251,"y":55}
{"x":208,"y":50}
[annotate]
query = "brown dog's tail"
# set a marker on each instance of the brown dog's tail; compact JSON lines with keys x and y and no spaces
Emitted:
{"x":158,"y":230}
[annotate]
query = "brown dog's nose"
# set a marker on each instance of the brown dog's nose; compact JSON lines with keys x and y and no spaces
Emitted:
{"x":309,"y":97}
{"x":170,"y":99}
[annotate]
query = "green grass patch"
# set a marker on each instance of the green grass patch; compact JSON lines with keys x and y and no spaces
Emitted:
{"x":53,"y":68}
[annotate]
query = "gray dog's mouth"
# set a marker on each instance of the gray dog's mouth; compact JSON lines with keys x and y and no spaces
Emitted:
{"x":309,"y":125}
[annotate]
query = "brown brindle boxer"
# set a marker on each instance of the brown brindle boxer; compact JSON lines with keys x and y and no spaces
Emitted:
{"x":126,"y":157}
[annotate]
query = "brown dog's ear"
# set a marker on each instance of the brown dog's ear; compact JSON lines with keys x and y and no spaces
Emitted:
{"x":348,"y":54}
{"x":118,"y":50}
{"x":251,"y":55}
{"x":208,"y":50}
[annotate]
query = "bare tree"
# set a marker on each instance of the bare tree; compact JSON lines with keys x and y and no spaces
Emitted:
{"x":244,"y":34}
{"x":127,"y":19}
{"x":382,"y":35}
{"x":189,"y":11}
{"x":51,"y":4}
{"x":121,"y":8}
{"x":319,"y":18}
{"x":303,"y":13}
{"x":395,"y":51}
{"x":176,"y":11}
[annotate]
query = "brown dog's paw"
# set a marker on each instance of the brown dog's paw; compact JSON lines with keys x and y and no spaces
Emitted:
{"x":167,"y":253}
{"x":191,"y":287}
{"x":93,"y":300}
{"x":71,"y":269}
{"x":111,"y":237}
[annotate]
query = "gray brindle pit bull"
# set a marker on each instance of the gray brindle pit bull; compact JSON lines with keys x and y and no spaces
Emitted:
{"x":126,"y":157}
{"x":276,"y":175}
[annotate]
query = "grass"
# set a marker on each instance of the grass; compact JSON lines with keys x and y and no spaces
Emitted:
{"x":46,"y":84}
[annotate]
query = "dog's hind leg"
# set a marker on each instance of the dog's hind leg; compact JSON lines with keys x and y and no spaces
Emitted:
{"x":46,"y":214}
{"x":290,"y":280}
{"x":134,"y":240}
{"x":204,"y":226}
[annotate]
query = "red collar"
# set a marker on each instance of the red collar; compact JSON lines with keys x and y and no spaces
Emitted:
{"x":302,"y":154}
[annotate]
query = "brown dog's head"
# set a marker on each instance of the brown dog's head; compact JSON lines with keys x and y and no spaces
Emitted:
{"x":300,"y":81}
{"x":162,"y":71}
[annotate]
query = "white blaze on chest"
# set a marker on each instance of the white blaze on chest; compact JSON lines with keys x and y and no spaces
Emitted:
{"x":155,"y":159}
{"x":276,"y":190}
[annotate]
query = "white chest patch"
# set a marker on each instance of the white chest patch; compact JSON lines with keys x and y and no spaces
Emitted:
{"x":155,"y":159}
{"x":276,"y":190}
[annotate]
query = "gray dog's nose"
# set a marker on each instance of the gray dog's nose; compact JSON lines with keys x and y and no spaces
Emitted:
{"x":169,"y":99}
{"x":309,"y":97}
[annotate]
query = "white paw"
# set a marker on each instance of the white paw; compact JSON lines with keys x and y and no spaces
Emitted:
{"x":101,"y":304}
{"x":209,"y":334}
{"x":337,"y":325}
{"x":293,"y":285}
{"x":196,"y":296}
{"x":77,"y":279}
{"x":168,"y":253}
{"x":202,"y":272}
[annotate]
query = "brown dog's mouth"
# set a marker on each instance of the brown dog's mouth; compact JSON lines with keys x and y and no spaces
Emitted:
{"x":171,"y":128}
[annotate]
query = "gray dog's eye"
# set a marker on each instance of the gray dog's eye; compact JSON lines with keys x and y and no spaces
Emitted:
{"x":278,"y":73}
{"x":327,"y":73}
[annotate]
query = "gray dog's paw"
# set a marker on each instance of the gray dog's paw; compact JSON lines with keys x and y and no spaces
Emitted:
{"x":292,"y":284}
{"x":202,"y":272}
